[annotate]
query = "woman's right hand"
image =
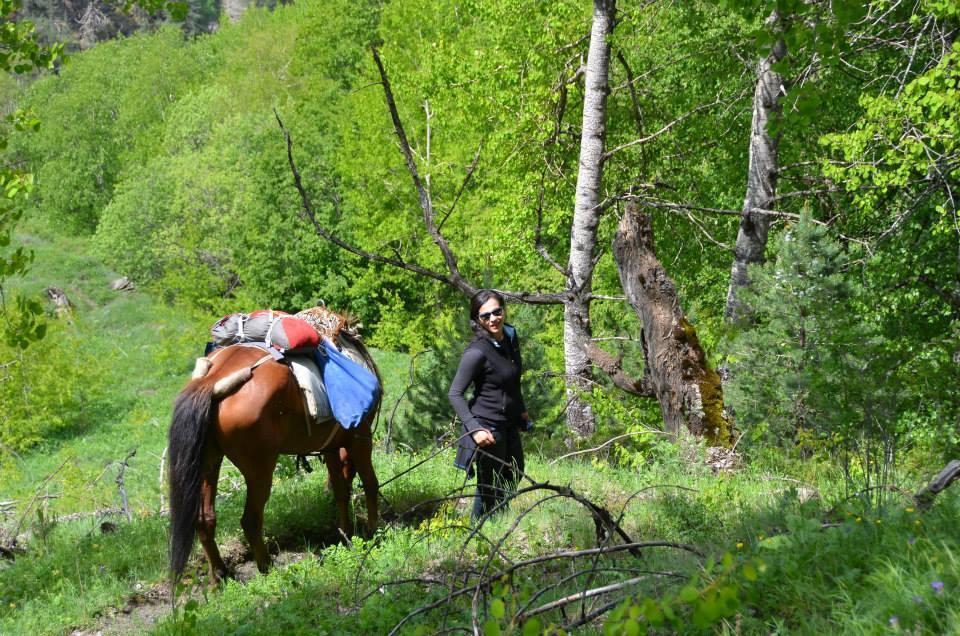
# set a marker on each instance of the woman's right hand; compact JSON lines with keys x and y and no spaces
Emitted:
{"x":483,"y":437}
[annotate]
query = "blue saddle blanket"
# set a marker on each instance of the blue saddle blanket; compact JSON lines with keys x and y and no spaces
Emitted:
{"x":352,"y":389}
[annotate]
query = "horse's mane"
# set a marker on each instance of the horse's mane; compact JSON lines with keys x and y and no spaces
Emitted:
{"x":356,"y":341}
{"x":329,"y":323}
{"x":336,"y":326}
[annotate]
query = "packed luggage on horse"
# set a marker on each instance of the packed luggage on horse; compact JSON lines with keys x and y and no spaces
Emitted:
{"x":270,"y":383}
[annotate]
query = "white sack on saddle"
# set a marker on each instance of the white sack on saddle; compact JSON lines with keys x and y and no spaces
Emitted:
{"x":308,"y":377}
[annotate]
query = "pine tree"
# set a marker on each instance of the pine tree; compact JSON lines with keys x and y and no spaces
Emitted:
{"x":794,"y":346}
{"x":808,"y":367}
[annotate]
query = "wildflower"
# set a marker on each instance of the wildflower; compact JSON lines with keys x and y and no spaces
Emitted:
{"x":879,"y":521}
{"x":911,"y":540}
{"x":13,"y":606}
{"x":739,"y":545}
{"x":858,"y":519}
{"x":909,"y":509}
{"x":937,"y":586}
{"x":917,"y":522}
{"x":894,"y":621}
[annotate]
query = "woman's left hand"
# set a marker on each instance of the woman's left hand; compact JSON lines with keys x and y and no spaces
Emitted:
{"x":527,"y":421}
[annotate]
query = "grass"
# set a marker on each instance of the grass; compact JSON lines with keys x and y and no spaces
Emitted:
{"x":789,"y":552}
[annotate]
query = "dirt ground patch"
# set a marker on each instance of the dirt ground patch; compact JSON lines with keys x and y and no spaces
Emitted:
{"x":146,"y":606}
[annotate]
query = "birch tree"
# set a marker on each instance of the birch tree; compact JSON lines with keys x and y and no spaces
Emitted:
{"x":762,"y":172}
{"x":586,"y":218}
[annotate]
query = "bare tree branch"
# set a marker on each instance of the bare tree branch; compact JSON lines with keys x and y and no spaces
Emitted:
{"x":463,"y":186}
{"x":924,"y":498}
{"x":455,"y":278}
{"x":605,"y":444}
{"x":648,"y":138}
{"x":582,"y":595}
{"x":336,"y":240}
{"x":567,"y":554}
{"x":538,"y":232}
{"x":613,"y":368}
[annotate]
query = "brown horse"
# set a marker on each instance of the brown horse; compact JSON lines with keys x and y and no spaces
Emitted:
{"x":248,"y":408}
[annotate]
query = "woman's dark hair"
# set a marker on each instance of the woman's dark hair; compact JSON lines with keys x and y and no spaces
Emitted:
{"x":476,"y":302}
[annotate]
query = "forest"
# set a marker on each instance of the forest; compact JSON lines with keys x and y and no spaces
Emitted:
{"x":728,"y":237}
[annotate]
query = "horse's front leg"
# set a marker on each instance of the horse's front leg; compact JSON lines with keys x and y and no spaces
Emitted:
{"x":360,"y":452}
{"x":259,"y":478}
{"x":339,"y":472}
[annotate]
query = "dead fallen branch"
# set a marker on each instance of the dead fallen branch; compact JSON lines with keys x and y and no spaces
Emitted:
{"x":943,"y":479}
{"x":582,"y":595}
{"x":10,"y":542}
{"x":567,"y":554}
{"x":605,"y":444}
{"x":121,"y":484}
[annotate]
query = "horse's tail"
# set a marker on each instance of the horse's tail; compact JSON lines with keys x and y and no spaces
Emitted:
{"x":186,"y":443}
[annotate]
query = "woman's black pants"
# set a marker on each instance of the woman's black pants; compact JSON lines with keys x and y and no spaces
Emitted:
{"x":498,"y":467}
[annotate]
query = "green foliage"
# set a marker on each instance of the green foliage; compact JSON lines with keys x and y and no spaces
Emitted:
{"x":890,"y":569}
{"x":20,"y":53}
{"x":700,"y":605}
{"x":804,"y":341}
{"x":898,"y":164}
{"x":100,"y":118}
{"x":811,"y":368}
{"x":167,"y":152}
{"x":20,"y":50}
{"x":46,"y":393}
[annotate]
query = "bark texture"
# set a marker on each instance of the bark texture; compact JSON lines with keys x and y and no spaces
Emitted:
{"x":950,"y":473}
{"x":234,"y":8}
{"x":586,"y":218}
{"x":687,"y":388}
{"x":761,"y":179}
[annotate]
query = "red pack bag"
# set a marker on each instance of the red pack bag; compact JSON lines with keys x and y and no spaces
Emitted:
{"x":288,"y":334}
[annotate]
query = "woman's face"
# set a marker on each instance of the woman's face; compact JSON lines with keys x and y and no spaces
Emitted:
{"x":491,"y":317}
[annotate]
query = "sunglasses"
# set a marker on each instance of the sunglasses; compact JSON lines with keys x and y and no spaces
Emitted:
{"x":493,"y":312}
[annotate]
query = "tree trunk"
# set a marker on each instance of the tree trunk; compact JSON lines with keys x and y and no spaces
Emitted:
{"x":234,"y":8}
{"x":586,"y":218}
{"x":950,"y":473}
{"x":761,"y":179}
{"x":688,"y":390}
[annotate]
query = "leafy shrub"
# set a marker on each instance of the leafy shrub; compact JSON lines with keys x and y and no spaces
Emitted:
{"x":811,"y":369}
{"x":45,"y":392}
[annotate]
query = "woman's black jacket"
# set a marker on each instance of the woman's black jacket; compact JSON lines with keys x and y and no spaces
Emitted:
{"x":494,"y":369}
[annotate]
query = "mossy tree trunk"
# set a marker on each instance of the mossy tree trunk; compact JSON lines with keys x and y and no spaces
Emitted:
{"x":687,"y":388}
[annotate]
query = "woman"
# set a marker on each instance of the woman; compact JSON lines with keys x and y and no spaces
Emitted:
{"x":495,"y":415}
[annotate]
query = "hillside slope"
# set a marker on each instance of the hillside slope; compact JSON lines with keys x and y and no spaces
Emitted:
{"x":773,"y":547}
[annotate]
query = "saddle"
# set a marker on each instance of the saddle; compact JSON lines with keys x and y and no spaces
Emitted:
{"x":338,"y":379}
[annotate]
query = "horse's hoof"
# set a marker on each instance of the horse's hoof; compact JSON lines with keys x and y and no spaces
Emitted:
{"x":216,"y":581}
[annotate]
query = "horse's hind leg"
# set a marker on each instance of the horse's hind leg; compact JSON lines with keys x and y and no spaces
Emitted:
{"x":360,"y":452}
{"x":338,"y":471}
{"x":207,"y":521}
{"x":259,"y":479}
